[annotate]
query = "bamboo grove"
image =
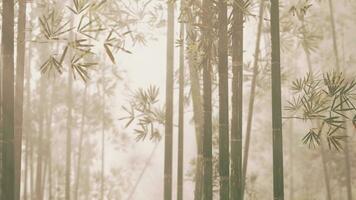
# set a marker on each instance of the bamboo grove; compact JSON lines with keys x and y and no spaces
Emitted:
{"x":258,"y":101}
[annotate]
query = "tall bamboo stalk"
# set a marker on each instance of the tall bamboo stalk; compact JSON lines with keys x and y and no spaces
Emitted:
{"x":27,"y":119}
{"x":197,"y":108}
{"x":306,"y":50}
{"x":25,"y":176}
{"x":252,"y":96}
{"x":20,"y":73}
{"x":1,"y":135}
{"x":198,"y":123}
{"x":31,"y":136}
{"x":49,"y":144}
{"x":8,"y":156}
{"x":334,"y":36}
{"x":87,"y":173}
{"x":102,"y":171}
{"x":347,"y":148}
{"x":237,"y":91}
{"x":348,"y":169}
{"x":207,"y":103}
{"x":69,"y":135}
{"x":347,"y":160}
{"x":181,"y":112}
{"x":291,"y":160}
{"x":40,"y":149}
{"x":32,"y":168}
{"x":168,"y":151}
{"x":80,"y":145}
{"x":325,"y":170}
{"x":278,"y":182}
{"x":44,"y":175}
{"x":224,"y":160}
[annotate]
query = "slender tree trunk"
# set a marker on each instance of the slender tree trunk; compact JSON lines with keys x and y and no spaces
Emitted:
{"x":197,"y":111}
{"x":347,"y":161}
{"x":306,"y":50}
{"x":207,"y":103}
{"x":58,"y":183}
{"x":334,"y":37}
{"x":237,"y":91}
{"x":32,"y":170}
{"x":81,"y":138}
{"x":20,"y":68}
{"x":347,"y":149}
{"x":44,"y":175}
{"x":252,"y":97}
{"x":348,"y":170}
{"x":27,"y":120}
{"x":168,"y":151}
{"x":278,"y":185}
{"x":40,"y":149}
{"x":80,"y":145}
{"x":30,"y":136}
{"x":26,"y":168}
{"x":291,"y":161}
{"x":224,"y":159}
{"x":325,"y":170}
{"x":87,"y":193}
{"x":50,"y":175}
{"x":181,"y":112}
{"x":8,"y":156}
{"x":102,"y":175}
{"x":198,"y":122}
{"x":307,"y":55}
{"x":49,"y":145}
{"x":69,"y":135}
{"x":1,"y":123}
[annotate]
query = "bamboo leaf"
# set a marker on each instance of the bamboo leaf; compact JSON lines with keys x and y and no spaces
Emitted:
{"x":108,"y":52}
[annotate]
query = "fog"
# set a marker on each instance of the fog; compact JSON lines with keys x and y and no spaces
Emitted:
{"x":94,"y":104}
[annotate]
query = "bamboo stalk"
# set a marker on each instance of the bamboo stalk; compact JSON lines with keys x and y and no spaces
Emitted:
{"x":224,"y":160}
{"x":237,"y":92}
{"x":168,"y":151}
{"x":252,"y":97}
{"x":181,"y":113}
{"x":20,"y":73}
{"x":278,"y":182}
{"x":80,"y":146}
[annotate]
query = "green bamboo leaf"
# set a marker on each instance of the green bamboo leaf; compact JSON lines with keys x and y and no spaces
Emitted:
{"x":129,"y":122}
{"x":71,"y":9}
{"x":44,"y":66}
{"x":108,"y":52}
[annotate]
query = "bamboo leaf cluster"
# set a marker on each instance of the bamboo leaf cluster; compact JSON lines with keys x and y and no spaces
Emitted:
{"x":329,"y":99}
